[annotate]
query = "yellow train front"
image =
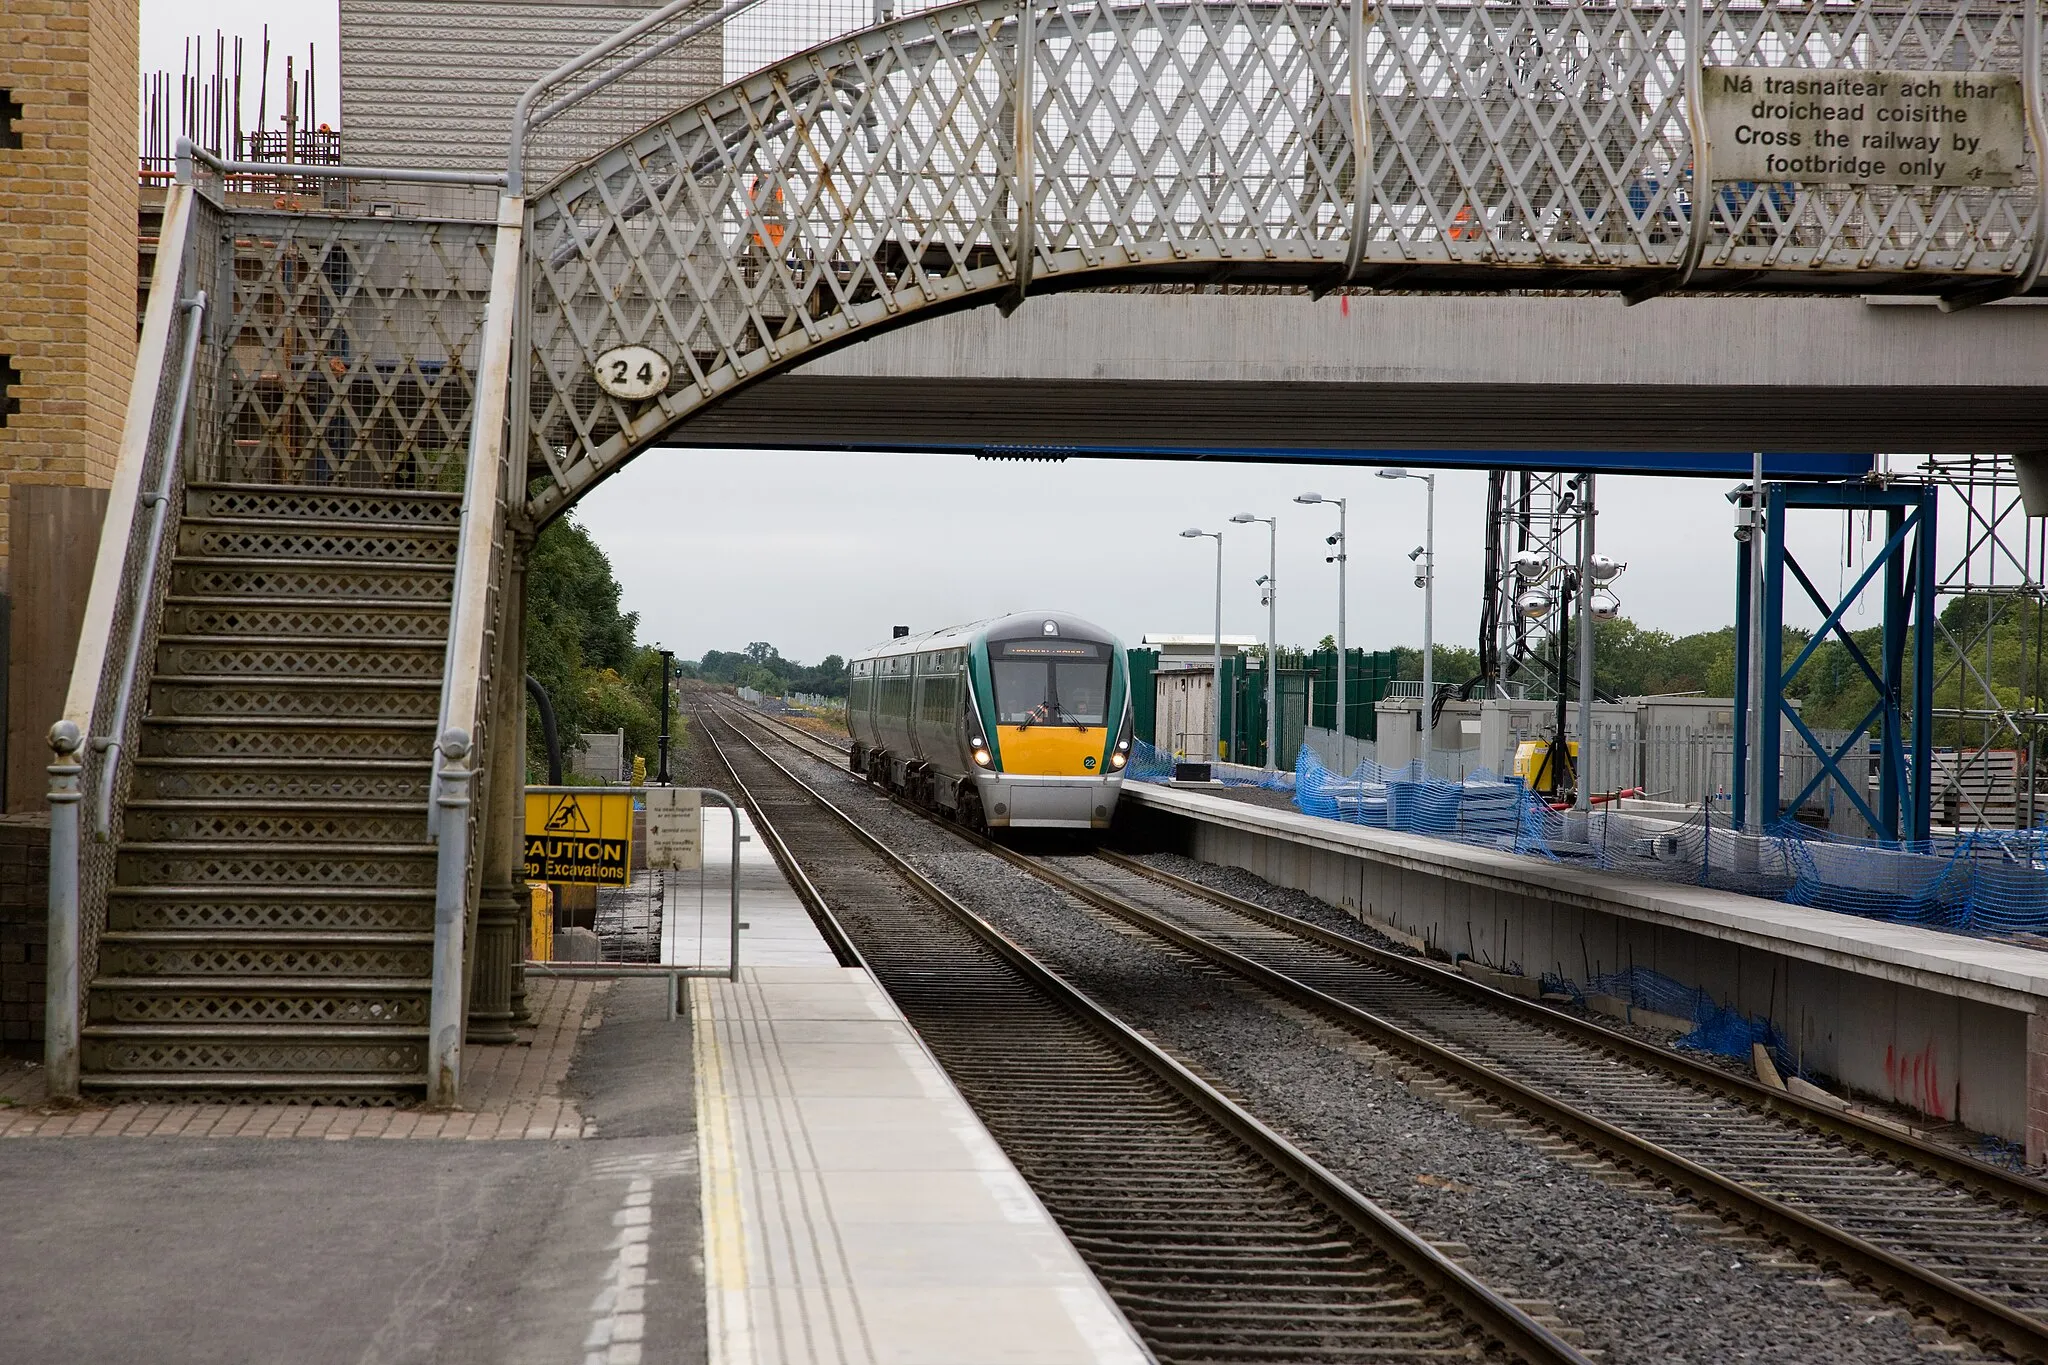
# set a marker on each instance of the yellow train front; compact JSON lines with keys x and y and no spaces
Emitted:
{"x":1022,"y":722}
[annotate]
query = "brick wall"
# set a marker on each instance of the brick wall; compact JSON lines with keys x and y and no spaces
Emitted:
{"x":24,"y":920}
{"x":67,"y":238}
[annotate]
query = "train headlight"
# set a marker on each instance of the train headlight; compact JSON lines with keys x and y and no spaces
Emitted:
{"x":981,"y":755}
{"x":1119,"y":758}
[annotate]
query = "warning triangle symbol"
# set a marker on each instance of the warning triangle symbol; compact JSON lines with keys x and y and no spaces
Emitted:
{"x":567,"y":817}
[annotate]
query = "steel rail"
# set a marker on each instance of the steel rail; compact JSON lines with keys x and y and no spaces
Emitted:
{"x":1962,"y":1310}
{"x":2007,"y":1187}
{"x":1498,"y":1319}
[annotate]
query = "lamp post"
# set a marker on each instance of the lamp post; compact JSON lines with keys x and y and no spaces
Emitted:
{"x":668,"y":666}
{"x":1428,"y":580}
{"x":1216,"y":688}
{"x":1271,"y":583}
{"x":1339,"y":559}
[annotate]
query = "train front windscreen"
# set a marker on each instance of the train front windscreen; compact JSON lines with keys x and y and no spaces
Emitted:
{"x":1051,"y":682}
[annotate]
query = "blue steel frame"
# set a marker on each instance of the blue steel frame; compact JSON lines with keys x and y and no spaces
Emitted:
{"x":1907,"y":561}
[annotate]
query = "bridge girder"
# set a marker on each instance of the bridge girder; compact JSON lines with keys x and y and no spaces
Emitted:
{"x":982,"y":152}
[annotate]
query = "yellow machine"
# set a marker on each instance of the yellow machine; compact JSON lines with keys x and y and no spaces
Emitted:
{"x":1532,"y":764}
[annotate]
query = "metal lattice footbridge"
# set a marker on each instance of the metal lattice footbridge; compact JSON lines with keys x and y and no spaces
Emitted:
{"x":284,"y":850}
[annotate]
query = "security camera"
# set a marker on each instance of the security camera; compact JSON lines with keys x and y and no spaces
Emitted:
{"x":1738,"y":494}
{"x":1329,"y":540}
{"x":1415,"y":553}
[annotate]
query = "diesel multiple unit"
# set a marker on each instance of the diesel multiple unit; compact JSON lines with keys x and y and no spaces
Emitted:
{"x":1022,"y":722}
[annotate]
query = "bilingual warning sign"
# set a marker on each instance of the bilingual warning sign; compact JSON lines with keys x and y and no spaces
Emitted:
{"x":1864,"y":127}
{"x":584,"y":839}
{"x":675,"y":828}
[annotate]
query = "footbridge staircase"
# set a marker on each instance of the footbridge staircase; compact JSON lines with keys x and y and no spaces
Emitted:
{"x":284,"y":851}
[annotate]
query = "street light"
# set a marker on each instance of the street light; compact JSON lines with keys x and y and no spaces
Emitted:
{"x":1428,"y":577}
{"x":1339,"y":559}
{"x":1216,"y":688}
{"x":1272,"y":586}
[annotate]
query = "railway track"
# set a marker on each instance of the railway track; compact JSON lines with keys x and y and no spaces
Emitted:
{"x":1957,"y":1241}
{"x":1219,"y":1240}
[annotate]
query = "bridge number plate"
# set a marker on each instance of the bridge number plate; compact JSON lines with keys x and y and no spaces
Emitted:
{"x":1864,"y":127}
{"x":632,"y":372}
{"x":583,"y":840}
{"x":675,"y":828}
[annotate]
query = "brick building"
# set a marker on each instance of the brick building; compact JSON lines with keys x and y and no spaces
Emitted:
{"x":67,"y":349}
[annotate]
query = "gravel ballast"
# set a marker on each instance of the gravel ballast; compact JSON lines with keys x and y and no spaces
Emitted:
{"x":1620,"y":1264}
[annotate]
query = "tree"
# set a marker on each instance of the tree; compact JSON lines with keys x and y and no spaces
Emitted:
{"x":581,"y":648}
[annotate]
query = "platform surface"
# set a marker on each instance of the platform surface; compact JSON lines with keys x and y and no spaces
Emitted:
{"x":1950,"y":964}
{"x":777,"y":930}
{"x":856,"y":1211}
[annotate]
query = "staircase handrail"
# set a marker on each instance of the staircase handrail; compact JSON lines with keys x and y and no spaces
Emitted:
{"x":89,"y":678}
{"x":158,"y":500}
{"x":457,"y":732}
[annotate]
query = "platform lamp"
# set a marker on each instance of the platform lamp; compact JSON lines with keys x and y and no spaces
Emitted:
{"x":1425,"y":578}
{"x":1343,"y":546}
{"x":1216,"y":687}
{"x":1271,"y":583}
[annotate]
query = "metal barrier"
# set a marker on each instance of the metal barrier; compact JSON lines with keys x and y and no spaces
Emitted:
{"x":675,"y":972}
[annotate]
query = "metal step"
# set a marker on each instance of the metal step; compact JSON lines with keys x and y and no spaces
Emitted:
{"x":375,"y":506}
{"x":211,"y":537}
{"x":355,"y":579}
{"x":216,"y":821}
{"x":216,"y":955}
{"x":390,"y":1054}
{"x":231,"y":910}
{"x":368,"y":622}
{"x":287,"y":737}
{"x":282,"y":781}
{"x":270,"y":933}
{"x":249,"y":698}
{"x":283,"y":656}
{"x":251,"y":865}
{"x":256,"y":1087}
{"x":258,"y":999}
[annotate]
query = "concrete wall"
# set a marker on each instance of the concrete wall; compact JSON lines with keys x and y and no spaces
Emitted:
{"x":1980,"y":1061}
{"x":67,"y":240}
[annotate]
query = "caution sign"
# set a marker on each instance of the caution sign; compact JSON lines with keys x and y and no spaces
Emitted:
{"x":584,"y":839}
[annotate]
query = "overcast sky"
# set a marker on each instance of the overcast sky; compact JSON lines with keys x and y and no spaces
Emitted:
{"x":822,"y":553}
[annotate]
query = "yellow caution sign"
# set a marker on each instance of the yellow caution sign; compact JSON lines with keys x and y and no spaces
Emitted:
{"x":584,"y":839}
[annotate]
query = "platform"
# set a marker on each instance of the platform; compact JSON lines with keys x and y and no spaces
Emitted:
{"x":1953,"y":1027}
{"x":776,"y":931}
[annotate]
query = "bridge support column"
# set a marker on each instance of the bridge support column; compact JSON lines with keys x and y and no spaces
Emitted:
{"x":497,"y":998}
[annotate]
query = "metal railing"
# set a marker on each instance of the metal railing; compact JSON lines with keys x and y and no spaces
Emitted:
{"x":676,"y":973}
{"x":124,"y":603}
{"x":109,"y":746}
{"x":459,"y":733}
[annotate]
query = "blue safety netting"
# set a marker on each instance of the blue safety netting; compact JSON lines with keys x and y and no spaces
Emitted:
{"x":1985,"y":882}
{"x":1482,"y":810}
{"x":1717,"y":1028}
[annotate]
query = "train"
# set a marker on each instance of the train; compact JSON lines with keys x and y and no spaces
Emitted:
{"x":1018,"y":722}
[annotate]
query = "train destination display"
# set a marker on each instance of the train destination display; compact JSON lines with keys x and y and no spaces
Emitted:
{"x":1938,"y":128}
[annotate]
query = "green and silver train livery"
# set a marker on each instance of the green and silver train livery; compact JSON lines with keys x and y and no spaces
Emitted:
{"x":1022,"y":722}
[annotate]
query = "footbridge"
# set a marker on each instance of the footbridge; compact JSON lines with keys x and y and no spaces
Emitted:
{"x":285,"y":850}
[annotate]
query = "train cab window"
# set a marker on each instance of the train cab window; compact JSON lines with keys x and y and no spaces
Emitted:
{"x":1050,"y":682}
